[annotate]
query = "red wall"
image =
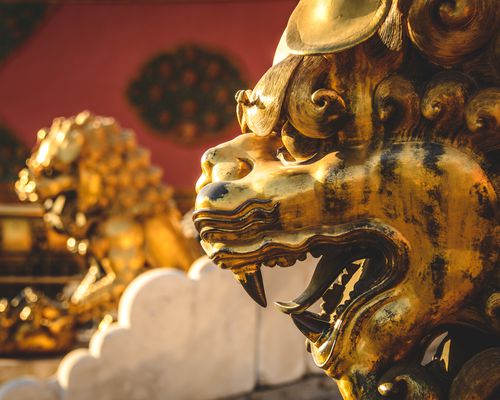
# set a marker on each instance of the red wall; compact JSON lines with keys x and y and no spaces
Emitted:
{"x":84,"y":55}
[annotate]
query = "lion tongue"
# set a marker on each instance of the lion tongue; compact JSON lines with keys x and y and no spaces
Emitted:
{"x":326,"y":272}
{"x":253,"y":285}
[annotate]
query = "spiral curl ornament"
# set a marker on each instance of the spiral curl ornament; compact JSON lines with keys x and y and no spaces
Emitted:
{"x":482,"y":115}
{"x":259,"y":110}
{"x":314,"y":112}
{"x":397,"y":105}
{"x":483,"y":111}
{"x":443,"y":102}
{"x":448,"y":31}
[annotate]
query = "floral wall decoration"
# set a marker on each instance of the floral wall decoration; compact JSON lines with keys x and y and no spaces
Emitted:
{"x":17,"y":23}
{"x":187,"y":95}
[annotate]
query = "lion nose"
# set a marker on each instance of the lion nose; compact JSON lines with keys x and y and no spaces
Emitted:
{"x":218,"y":165}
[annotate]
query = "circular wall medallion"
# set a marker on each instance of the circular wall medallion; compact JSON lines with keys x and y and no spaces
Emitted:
{"x":187,"y":95}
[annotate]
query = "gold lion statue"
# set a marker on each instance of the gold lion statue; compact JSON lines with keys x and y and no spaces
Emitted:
{"x":373,"y":143}
{"x":98,"y":187}
{"x":32,"y":323}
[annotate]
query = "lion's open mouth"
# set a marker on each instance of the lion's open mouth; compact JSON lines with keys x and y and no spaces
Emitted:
{"x":355,"y":262}
{"x":341,"y":282}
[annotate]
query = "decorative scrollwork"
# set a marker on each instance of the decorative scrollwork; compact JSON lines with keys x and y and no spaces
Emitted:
{"x":314,"y":111}
{"x":448,"y":31}
{"x":492,"y":309}
{"x":259,"y":109}
{"x":397,"y":105}
{"x":444,"y":101}
{"x":482,"y":115}
{"x":483,"y":111}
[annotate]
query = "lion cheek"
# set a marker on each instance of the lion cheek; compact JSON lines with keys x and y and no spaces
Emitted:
{"x":394,"y":326}
{"x":388,"y":334}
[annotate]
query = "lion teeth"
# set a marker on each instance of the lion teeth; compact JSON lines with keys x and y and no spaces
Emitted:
{"x":339,"y":297}
{"x":346,"y":277}
{"x":58,"y":205}
{"x":326,"y":271}
{"x":287,"y":306}
{"x":253,"y":284}
{"x":332,"y":298}
{"x":311,"y":325}
{"x":271,"y":263}
{"x":283,"y":261}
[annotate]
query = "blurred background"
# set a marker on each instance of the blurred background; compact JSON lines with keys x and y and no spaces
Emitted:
{"x":167,"y":69}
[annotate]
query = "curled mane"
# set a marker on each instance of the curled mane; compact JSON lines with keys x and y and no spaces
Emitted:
{"x":129,"y":183}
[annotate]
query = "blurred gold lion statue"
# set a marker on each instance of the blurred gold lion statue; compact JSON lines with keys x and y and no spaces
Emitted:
{"x":98,"y":187}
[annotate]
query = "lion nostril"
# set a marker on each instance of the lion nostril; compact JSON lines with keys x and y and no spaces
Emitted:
{"x":244,"y":167}
{"x":221,"y":166}
{"x":231,"y":170}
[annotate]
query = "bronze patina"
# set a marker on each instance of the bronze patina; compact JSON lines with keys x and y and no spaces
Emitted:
{"x":98,"y":187}
{"x":373,"y":143}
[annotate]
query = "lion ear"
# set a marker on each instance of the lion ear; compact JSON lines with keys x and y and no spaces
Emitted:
{"x":70,"y":148}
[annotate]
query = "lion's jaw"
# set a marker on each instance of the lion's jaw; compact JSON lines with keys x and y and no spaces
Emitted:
{"x":246,"y":222}
{"x":272,"y":213}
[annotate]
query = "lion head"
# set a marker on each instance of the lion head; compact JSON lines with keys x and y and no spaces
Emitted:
{"x":86,"y":166}
{"x":372,"y":144}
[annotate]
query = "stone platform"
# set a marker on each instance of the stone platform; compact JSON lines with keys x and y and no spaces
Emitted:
{"x":183,"y":337}
{"x":13,"y":368}
{"x":309,"y":388}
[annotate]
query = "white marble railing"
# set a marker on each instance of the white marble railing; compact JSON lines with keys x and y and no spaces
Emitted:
{"x":195,"y":337}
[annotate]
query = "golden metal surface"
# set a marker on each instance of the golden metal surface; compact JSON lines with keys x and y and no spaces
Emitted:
{"x":381,"y":158}
{"x":32,"y":323}
{"x":326,"y":26}
{"x":99,"y":189}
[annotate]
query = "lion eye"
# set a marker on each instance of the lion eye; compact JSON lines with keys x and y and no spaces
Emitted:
{"x":300,"y":147}
{"x":50,"y":172}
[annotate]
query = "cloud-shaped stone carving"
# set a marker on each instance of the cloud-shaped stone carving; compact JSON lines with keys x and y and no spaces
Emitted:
{"x":182,"y":337}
